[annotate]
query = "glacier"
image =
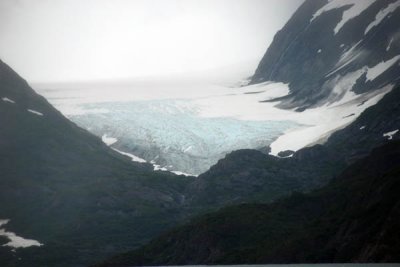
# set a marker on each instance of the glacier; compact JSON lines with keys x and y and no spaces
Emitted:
{"x":172,"y":134}
{"x":186,"y":127}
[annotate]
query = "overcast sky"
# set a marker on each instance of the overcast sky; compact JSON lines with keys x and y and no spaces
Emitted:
{"x":72,"y":40}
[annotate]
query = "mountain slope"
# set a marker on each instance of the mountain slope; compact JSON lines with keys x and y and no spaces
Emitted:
{"x":353,"y":219}
{"x":332,"y":54}
{"x":63,"y":187}
{"x":249,"y":175}
{"x":331,"y":49}
{"x":356,"y":60}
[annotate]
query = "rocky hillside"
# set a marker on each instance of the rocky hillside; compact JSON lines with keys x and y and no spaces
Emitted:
{"x":352,"y":219}
{"x":332,"y":53}
{"x":64,"y":188}
{"x":249,"y":175}
{"x":331,"y":48}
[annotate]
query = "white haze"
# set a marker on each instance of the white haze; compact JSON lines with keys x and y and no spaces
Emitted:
{"x":80,"y":40}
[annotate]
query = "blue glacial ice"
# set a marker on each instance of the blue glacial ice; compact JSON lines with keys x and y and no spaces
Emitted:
{"x":171,"y":134}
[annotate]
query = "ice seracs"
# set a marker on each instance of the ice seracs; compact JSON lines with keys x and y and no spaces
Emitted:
{"x":35,"y":112}
{"x":16,"y":241}
{"x":390,"y":135}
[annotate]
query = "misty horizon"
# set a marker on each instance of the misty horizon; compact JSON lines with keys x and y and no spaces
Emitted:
{"x":60,"y":41}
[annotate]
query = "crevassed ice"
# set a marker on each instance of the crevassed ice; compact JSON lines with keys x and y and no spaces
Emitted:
{"x":174,"y":132}
{"x":355,"y":9}
{"x":382,"y":14}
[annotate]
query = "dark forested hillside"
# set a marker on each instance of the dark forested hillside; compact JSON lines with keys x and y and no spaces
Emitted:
{"x":352,"y":219}
{"x":62,"y":186}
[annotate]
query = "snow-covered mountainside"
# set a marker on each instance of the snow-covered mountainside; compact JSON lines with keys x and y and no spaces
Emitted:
{"x":331,"y":49}
{"x":335,"y":55}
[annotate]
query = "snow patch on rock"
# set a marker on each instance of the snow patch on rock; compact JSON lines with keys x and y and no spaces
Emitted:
{"x":382,"y":14}
{"x":390,"y":135}
{"x":35,"y":112}
{"x":133,"y":157}
{"x":321,"y":122}
{"x":356,"y":7}
{"x":16,"y":241}
{"x":155,"y":166}
{"x":6,"y":99}
{"x":346,"y":58}
{"x":381,"y":67}
{"x":108,"y":140}
{"x":389,"y":44}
